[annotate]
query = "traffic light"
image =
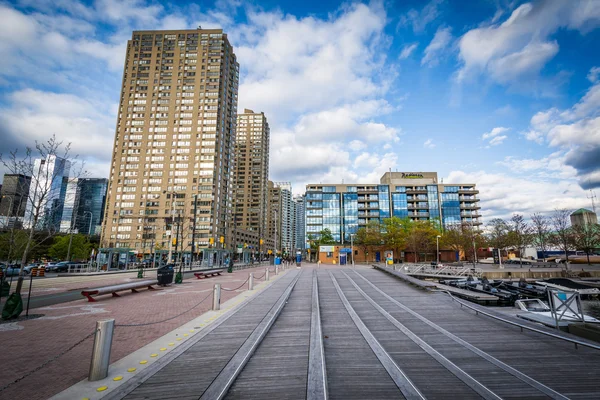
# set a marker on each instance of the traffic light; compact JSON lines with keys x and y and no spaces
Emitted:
{"x":222,"y":239}
{"x":174,"y":241}
{"x":211,"y":240}
{"x":262,"y":241}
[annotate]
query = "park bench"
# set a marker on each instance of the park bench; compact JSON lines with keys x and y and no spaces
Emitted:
{"x":209,"y":273}
{"x":113,"y":289}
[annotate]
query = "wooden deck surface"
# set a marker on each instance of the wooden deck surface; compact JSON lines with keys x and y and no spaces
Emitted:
{"x":445,"y":351}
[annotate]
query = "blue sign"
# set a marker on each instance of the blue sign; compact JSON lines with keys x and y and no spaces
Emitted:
{"x":345,"y":250}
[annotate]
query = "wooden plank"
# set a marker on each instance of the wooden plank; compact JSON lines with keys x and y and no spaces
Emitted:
{"x":221,"y":384}
{"x":317,"y":371}
{"x":398,"y":376}
{"x":516,"y":373}
{"x":449,"y":365}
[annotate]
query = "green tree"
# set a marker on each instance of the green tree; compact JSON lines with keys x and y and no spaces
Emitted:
{"x":498,"y":235}
{"x":421,"y":235}
{"x":325,"y":237}
{"x":521,"y":234}
{"x":541,"y":232}
{"x":80,"y":247}
{"x":369,"y":236}
{"x":12,"y":244}
{"x":395,"y":233}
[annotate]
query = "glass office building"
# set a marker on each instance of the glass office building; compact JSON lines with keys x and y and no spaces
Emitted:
{"x":343,"y":208}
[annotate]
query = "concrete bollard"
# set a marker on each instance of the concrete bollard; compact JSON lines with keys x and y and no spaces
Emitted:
{"x":101,"y":350}
{"x":267,"y":274}
{"x":251,"y":281}
{"x":216,"y":306}
{"x":277,"y":270}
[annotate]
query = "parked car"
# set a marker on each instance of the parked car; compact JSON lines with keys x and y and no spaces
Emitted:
{"x":31,"y":266}
{"x":62,"y":266}
{"x":10,"y":270}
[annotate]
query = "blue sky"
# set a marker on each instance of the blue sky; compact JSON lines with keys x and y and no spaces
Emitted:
{"x":504,"y":94}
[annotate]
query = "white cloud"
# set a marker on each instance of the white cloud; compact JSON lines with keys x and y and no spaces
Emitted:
{"x":420,"y":19}
{"x":436,"y":48}
{"x":505,"y":194}
{"x":429,"y":144}
{"x":357,"y":145}
{"x":594,"y":74}
{"x":495,"y":137}
{"x":576,"y":132}
{"x":293,"y":65}
{"x":519,"y":46}
{"x":408,"y":50}
{"x":494,"y":132}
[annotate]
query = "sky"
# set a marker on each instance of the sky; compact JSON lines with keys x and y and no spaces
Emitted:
{"x":504,"y":94}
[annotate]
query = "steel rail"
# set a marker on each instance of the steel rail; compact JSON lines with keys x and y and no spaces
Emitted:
{"x":514,"y":372}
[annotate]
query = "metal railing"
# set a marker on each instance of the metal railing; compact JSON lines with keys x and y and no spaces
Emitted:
{"x":445,"y":270}
{"x":529,"y":328}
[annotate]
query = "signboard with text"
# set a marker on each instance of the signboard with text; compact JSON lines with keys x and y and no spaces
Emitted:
{"x":326,"y":249}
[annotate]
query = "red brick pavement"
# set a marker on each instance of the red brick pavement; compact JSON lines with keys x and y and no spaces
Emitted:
{"x":26,"y":345}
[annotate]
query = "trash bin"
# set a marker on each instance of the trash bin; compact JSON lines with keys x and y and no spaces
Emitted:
{"x":165,"y":274}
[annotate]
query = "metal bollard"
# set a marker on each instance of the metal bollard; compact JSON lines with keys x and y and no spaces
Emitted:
{"x":251,"y":281}
{"x":276,"y":270}
{"x":101,"y":349}
{"x":216,"y":297}
{"x":267,"y":274}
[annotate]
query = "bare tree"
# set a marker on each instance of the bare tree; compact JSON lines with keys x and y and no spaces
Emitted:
{"x":521,"y":234}
{"x":541,"y":232}
{"x":563,"y":233}
{"x":43,"y":204}
{"x":499,"y":234}
{"x":586,"y":238}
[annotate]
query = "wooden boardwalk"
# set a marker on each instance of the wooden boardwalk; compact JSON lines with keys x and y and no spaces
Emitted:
{"x":364,"y":334}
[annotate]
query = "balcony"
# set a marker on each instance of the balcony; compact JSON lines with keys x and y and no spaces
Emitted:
{"x":470,"y":214}
{"x":416,"y":191}
{"x":470,"y":206}
{"x":468,"y":198}
{"x":418,"y":214}
{"x":468,"y":191}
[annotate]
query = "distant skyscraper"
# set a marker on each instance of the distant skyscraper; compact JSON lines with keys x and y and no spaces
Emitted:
{"x":174,"y":141}
{"x":85,"y":201}
{"x":91,"y":204}
{"x":47,"y":193}
{"x":300,"y":222}
{"x":13,"y":198}
{"x":286,"y":217}
{"x":251,"y":174}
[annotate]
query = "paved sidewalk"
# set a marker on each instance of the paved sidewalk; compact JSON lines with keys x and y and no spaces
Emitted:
{"x":28,"y":344}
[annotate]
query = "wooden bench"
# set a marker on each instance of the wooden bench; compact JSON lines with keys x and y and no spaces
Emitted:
{"x":113,"y":289}
{"x":209,"y":273}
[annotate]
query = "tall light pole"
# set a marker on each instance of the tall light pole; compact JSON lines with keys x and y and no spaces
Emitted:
{"x":352,"y":247}
{"x":194,"y":231}
{"x":437,"y":245}
{"x":172,"y":223}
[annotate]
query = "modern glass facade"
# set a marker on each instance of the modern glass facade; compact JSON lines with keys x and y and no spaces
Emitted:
{"x":350,"y":201}
{"x":418,"y":197}
{"x":90,"y":209}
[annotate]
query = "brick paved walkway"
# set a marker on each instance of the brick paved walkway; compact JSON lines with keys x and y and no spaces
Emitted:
{"x":27,"y":344}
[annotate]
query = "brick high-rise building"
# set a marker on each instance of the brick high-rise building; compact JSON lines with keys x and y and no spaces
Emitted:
{"x":251,"y":176}
{"x":174,"y":141}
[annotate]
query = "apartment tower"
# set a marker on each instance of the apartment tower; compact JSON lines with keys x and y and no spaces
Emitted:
{"x":175,"y":136}
{"x":251,"y":176}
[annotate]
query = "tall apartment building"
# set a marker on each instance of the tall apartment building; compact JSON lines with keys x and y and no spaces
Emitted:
{"x":274,"y":211}
{"x":251,"y":176}
{"x":174,"y":141}
{"x":285,"y":217}
{"x":47,"y":193}
{"x":343,"y":208}
{"x":300,"y":222}
{"x":13,"y":199}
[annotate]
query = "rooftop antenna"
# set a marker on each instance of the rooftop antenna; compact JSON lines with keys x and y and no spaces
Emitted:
{"x":592,"y":196}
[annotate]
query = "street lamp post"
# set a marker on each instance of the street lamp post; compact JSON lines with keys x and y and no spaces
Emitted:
{"x":172,"y":222}
{"x":352,"y":247}
{"x":437,"y":245}
{"x":194,"y":231}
